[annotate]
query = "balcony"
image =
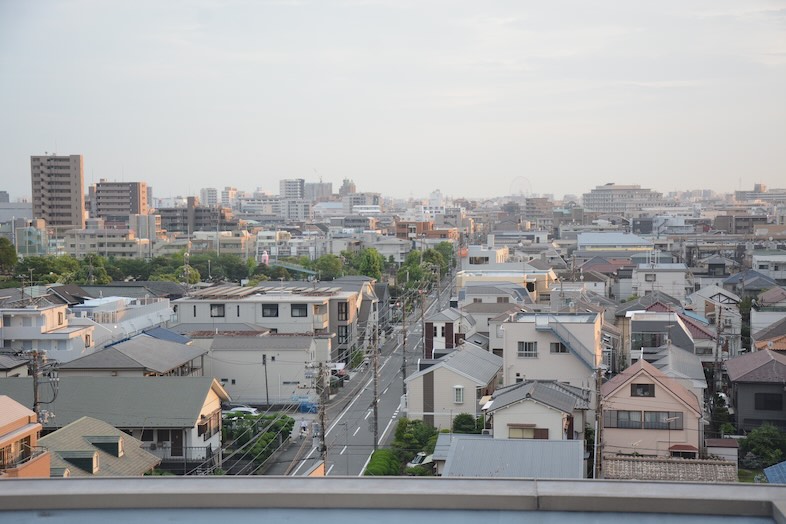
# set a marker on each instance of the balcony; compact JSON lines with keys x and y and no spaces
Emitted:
{"x":14,"y":465}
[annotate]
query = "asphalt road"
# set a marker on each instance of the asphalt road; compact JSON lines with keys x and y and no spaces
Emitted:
{"x":350,"y":434}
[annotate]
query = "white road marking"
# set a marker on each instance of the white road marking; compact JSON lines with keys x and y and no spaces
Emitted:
{"x":356,"y":431}
{"x":343,"y":450}
{"x":329,"y":469}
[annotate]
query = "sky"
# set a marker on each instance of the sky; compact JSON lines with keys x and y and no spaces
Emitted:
{"x":476,"y":99}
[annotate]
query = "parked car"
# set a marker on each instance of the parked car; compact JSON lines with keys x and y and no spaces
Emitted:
{"x":240,"y":410}
{"x":421,"y":459}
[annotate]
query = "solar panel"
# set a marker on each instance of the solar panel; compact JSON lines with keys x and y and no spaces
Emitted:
{"x":776,"y":474}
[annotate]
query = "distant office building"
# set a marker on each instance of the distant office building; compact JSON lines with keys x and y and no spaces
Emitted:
{"x":292,"y":188}
{"x":229,"y":197}
{"x":195,"y":217}
{"x":58,"y":185}
{"x":317,"y":191}
{"x":4,"y":198}
{"x":208,"y":196}
{"x":615,"y":199}
{"x":347,"y":188}
{"x":760,"y":192}
{"x":352,"y":200}
{"x":114,"y":201}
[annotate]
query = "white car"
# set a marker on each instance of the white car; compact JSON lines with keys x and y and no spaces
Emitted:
{"x":241,"y":410}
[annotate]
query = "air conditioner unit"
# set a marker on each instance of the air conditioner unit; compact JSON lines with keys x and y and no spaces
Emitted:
{"x":153,"y":446}
{"x":487,"y":432}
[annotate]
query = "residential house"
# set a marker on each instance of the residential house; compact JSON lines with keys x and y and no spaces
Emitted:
{"x":723,"y":448}
{"x":768,"y":311}
{"x":647,"y":413}
{"x":13,"y":366}
{"x":479,"y":292}
{"x":748,"y":283}
{"x":20,"y":452}
{"x":139,"y":357}
{"x":445,"y":330}
{"x":269,"y":368}
{"x":564,"y":346}
{"x":453,"y":385}
{"x":41,"y":324}
{"x":538,"y":409}
{"x":771,"y":263}
{"x":758,"y":381}
{"x":88,"y":447}
{"x":674,"y":279}
{"x":178,"y":419}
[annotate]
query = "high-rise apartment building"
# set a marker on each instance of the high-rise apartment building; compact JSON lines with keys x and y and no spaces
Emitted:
{"x":114,"y":201}
{"x":58,"y":184}
{"x":228,"y":197}
{"x":347,"y":188}
{"x":318,"y":191}
{"x":208,"y":197}
{"x":4,"y":198}
{"x":292,"y":188}
{"x":625,"y":200}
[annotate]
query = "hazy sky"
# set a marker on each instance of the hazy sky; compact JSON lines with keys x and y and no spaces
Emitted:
{"x":404,"y":97}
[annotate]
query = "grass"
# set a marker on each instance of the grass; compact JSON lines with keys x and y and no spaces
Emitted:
{"x":747,"y":475}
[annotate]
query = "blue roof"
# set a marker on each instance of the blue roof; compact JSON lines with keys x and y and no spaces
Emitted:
{"x":776,"y":474}
{"x":167,"y":334}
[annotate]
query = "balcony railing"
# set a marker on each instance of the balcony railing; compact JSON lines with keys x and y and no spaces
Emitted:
{"x":25,"y":455}
{"x":165,"y":451}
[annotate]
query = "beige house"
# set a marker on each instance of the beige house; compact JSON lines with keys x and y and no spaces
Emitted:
{"x":566,"y":347}
{"x":546,"y":409}
{"x":453,"y":385}
{"x":646,"y":413}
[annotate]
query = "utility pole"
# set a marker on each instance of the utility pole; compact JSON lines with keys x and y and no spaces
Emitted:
{"x":404,"y":347}
{"x":322,"y":392}
{"x":376,"y":396}
{"x":423,"y":318}
{"x":43,"y":372}
{"x":598,"y":455}
{"x":267,"y":392}
{"x":716,"y":374}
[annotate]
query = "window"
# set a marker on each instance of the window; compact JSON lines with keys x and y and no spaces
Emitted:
{"x":528,"y":350}
{"x":60,"y":318}
{"x":436,"y":331}
{"x":768,"y":401}
{"x":238,"y":310}
{"x":557,"y":347}
{"x":443,"y":331}
{"x":342,"y":334}
{"x":299,"y":310}
{"x":527,"y":433}
{"x":147,"y":435}
{"x":662,"y":420}
{"x":458,"y":394}
{"x":216,"y":310}
{"x":88,"y":341}
{"x":622,"y":419}
{"x":343,"y":311}
{"x":642,"y":390}
{"x":194,"y":310}
{"x":649,"y":277}
{"x":163,"y":435}
{"x":503,"y":300}
{"x":477,"y":300}
{"x":269,"y":310}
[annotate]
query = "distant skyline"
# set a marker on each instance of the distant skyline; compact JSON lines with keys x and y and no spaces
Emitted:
{"x":476,"y":99}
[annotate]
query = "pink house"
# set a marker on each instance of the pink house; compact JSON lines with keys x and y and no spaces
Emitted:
{"x":645,"y":413}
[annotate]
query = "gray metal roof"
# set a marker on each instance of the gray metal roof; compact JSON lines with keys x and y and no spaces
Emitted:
{"x":218,"y":328}
{"x":124,"y":402}
{"x":564,"y":397}
{"x":611,"y":239}
{"x":76,"y":436}
{"x":166,"y":334}
{"x":266,"y":342}
{"x":8,"y":362}
{"x":477,"y":364}
{"x":144,"y":353}
{"x":525,"y":458}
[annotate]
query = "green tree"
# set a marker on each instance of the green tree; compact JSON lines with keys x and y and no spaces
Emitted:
{"x":466,"y":423}
{"x":411,"y":436}
{"x":328,"y":266}
{"x":92,"y":271}
{"x":767,"y":443}
{"x":8,"y":258}
{"x":371,"y":263}
{"x":745,"y":311}
{"x":446,"y":250}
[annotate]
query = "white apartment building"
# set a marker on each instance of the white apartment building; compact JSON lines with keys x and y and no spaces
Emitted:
{"x":229,"y":197}
{"x":566,"y":347}
{"x":119,"y":243}
{"x":674,"y":279}
{"x":623,"y":200}
{"x":208,"y":196}
{"x":238,"y":242}
{"x":292,"y":188}
{"x":771,"y":263}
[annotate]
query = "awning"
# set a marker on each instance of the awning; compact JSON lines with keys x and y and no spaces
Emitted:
{"x":683,"y":447}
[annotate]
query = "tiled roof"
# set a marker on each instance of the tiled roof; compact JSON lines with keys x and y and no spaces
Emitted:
{"x":563,"y":397}
{"x":77,"y":436}
{"x":759,"y":366}
{"x":158,"y":356}
{"x":477,"y":364}
{"x":776,"y":329}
